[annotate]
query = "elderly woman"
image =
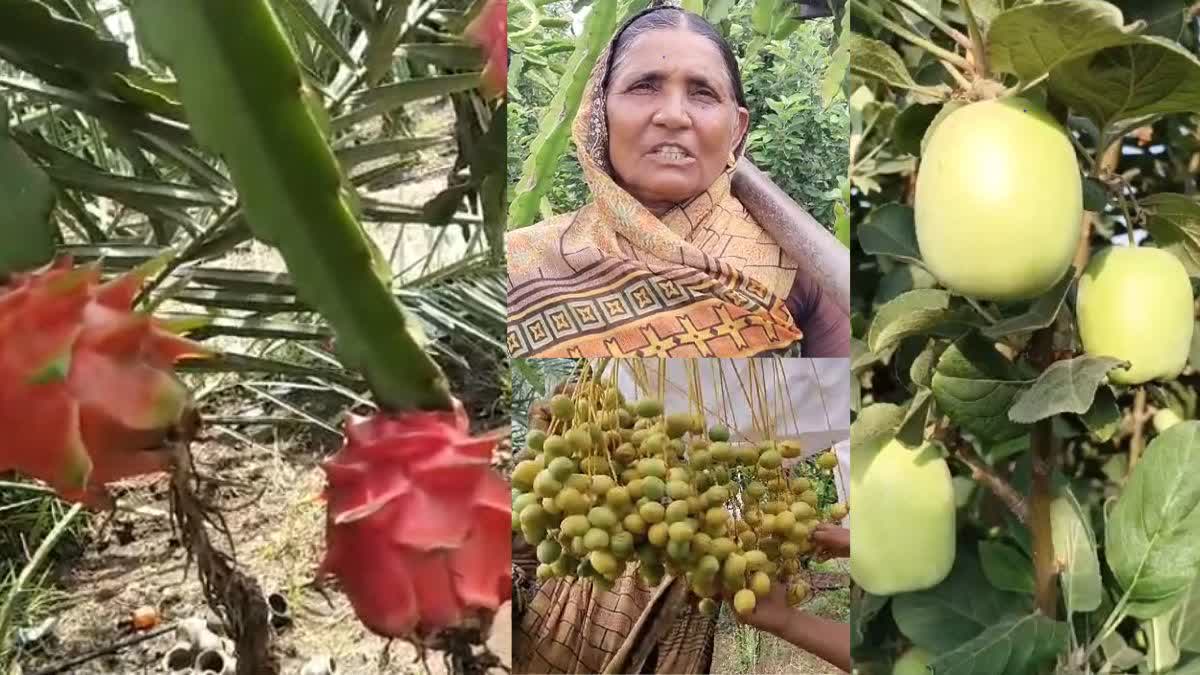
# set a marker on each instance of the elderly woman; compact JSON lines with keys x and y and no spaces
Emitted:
{"x":668,"y":260}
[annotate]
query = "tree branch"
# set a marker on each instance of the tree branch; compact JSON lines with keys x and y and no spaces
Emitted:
{"x":1137,"y":440}
{"x":986,"y":476}
{"x":1042,"y":445}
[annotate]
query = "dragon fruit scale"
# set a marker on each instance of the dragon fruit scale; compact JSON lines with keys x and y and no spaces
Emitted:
{"x":417,"y":530}
{"x":87,"y":392}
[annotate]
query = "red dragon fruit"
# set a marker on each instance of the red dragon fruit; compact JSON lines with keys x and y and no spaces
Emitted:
{"x":489,"y":30}
{"x":418,"y":524}
{"x":87,"y":394}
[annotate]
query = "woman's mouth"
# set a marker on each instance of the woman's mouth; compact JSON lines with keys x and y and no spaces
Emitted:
{"x":670,"y":153}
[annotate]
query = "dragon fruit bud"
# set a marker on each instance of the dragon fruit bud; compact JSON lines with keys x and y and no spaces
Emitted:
{"x":489,"y":30}
{"x":418,"y":524}
{"x":86,"y":387}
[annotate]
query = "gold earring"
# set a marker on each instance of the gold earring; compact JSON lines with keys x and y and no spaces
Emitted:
{"x":732,"y":160}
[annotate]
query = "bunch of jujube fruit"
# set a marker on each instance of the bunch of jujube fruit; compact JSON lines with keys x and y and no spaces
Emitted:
{"x":613,"y":483}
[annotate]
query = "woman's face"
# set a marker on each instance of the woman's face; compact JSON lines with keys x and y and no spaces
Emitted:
{"x":673,"y":118}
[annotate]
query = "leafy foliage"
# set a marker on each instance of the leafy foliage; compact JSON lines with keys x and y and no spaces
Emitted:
{"x":1073,"y":516}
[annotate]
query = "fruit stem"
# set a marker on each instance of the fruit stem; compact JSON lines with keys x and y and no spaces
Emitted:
{"x":901,"y":31}
{"x":1138,"y":440}
{"x":1041,"y":443}
{"x":954,"y":34}
{"x":977,"y":46}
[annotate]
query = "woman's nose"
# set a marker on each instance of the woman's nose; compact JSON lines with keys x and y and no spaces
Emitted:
{"x":672,"y":111}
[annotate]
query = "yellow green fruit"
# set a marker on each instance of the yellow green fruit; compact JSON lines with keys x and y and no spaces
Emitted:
{"x":1135,"y":304}
{"x":562,"y":407}
{"x":744,"y":601}
{"x":903,"y":537}
{"x":649,"y":407}
{"x":998,"y":201}
{"x":827,"y":460}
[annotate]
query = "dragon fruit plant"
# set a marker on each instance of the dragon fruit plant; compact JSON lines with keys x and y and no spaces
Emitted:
{"x":87,"y":392}
{"x":418,"y":524}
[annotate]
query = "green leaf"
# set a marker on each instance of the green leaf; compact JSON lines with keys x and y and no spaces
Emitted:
{"x":1103,"y":418}
{"x":835,"y":75}
{"x":157,"y":193}
{"x":1032,"y":40}
{"x":1006,"y":567}
{"x":863,"y":609}
{"x":841,"y":223}
{"x":878,"y":61}
{"x":920,"y":312}
{"x":384,"y":99}
{"x":1163,"y":17}
{"x":889,"y":230}
{"x":1014,"y":646}
{"x":1065,"y":387}
{"x":1151,"y":77}
{"x":912,"y":429}
{"x":353,"y":155}
{"x":1153,"y":539}
{"x":975,"y":385}
{"x":1095,"y":195}
{"x":717,"y":10}
{"x":764,"y":15}
{"x":1124,"y":659}
{"x":321,"y":32}
{"x":911,"y":125}
{"x":1174,"y":223}
{"x":921,"y":369}
{"x":26,"y":200}
{"x":876,"y":423}
{"x":860,"y":357}
{"x":459,"y":57}
{"x":36,"y":32}
{"x":957,"y":610}
{"x":1187,"y":619}
{"x":1041,"y":313}
{"x":1075,"y":553}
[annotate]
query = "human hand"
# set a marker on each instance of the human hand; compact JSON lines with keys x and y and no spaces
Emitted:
{"x":831,"y":541}
{"x":770,"y":611}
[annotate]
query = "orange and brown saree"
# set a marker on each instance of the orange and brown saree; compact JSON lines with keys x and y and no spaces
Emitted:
{"x":613,"y":279}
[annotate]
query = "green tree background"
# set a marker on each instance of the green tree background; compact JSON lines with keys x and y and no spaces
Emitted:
{"x":799,"y":140}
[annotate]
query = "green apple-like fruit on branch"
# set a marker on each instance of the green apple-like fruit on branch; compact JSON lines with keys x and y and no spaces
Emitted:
{"x":998,"y":201}
{"x":1135,"y":304}
{"x":904,"y":526}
